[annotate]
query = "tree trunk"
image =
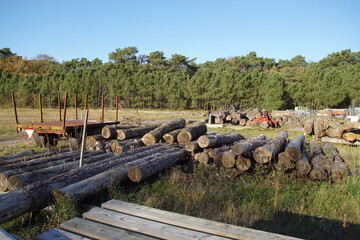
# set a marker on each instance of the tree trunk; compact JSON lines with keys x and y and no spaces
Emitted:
{"x":211,"y":141}
{"x":171,"y":137}
{"x":320,"y":164}
{"x":315,"y":149}
{"x":93,"y":139}
{"x":246,"y":148}
{"x":191,"y":133}
{"x":204,"y":157}
{"x":156,"y":165}
{"x":38,"y":195}
{"x":303,"y":166}
{"x":264,"y":125}
{"x":110,"y":131}
{"x":309,"y":126}
{"x":119,"y":147}
{"x":123,"y":134}
{"x":351,"y":137}
{"x":155,"y":135}
{"x":270,"y":151}
{"x":243,"y":121}
{"x":284,"y":162}
{"x":253,"y":114}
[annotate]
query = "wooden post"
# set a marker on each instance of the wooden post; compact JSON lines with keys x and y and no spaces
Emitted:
{"x":65,"y":106}
{"x":86,"y":102}
{"x":102,"y":107}
{"x":15,"y":112}
{"x":117,"y":109}
{"x":41,"y":112}
{"x":59,"y":106}
{"x":75,"y":103}
{"x":83,"y":138}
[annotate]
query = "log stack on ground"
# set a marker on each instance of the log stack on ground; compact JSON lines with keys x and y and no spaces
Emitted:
{"x":192,"y":132}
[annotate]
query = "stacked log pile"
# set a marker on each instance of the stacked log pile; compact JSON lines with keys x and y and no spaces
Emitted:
{"x":99,"y":171}
{"x":348,"y":131}
{"x":280,"y":154}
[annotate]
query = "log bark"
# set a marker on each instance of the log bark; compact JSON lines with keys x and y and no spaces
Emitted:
{"x":303,"y":166}
{"x":123,"y":134}
{"x":38,"y":195}
{"x":309,"y":126}
{"x":315,"y":149}
{"x":211,"y":141}
{"x":155,"y":135}
{"x":243,"y":163}
{"x":192,"y":133}
{"x":171,"y":137}
{"x":149,"y":168}
{"x":27,"y":178}
{"x":319,"y":164}
{"x":119,"y":147}
{"x":270,"y":151}
{"x":295,"y":147}
{"x":14,"y":159}
{"x":89,"y":186}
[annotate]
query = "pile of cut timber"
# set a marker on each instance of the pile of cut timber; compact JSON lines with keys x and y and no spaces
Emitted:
{"x":32,"y":183}
{"x":349,"y":132}
{"x":280,"y":153}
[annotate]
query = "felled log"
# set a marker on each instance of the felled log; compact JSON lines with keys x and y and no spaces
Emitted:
{"x":309,"y":126}
{"x":204,"y":157}
{"x":192,"y":146}
{"x":172,"y":136}
{"x":93,"y":139}
{"x":4,"y":184}
{"x":302,"y":165}
{"x":228,"y":159}
{"x":192,"y":132}
{"x":149,"y":168}
{"x":320,"y":127}
{"x":27,"y":178}
{"x":320,"y":167}
{"x":89,"y":186}
{"x":351,"y":137}
{"x":211,"y":141}
{"x":253,"y":114}
{"x":155,"y":135}
{"x":242,"y":121}
{"x":110,"y":132}
{"x":36,"y":196}
{"x":242,"y":163}
{"x":315,"y":149}
{"x":119,"y":147}
{"x":123,"y":134}
{"x":246,"y":148}
{"x":268,"y":152}
{"x":295,"y":147}
{"x":283,"y":162}
{"x":336,"y":131}
{"x":24,"y":156}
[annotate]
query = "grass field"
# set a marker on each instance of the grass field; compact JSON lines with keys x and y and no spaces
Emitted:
{"x":275,"y":202}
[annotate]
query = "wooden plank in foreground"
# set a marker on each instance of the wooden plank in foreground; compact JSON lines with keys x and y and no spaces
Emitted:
{"x":58,"y":234}
{"x":100,"y":231}
{"x":198,"y":224}
{"x":145,"y":226}
{"x":338,"y":140}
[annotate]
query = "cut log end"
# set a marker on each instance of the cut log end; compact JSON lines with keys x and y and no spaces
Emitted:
{"x":303,"y":167}
{"x":262,"y":155}
{"x":184,"y":137}
{"x":228,"y":160}
{"x":3,"y":183}
{"x":14,"y":183}
{"x":148,"y":139}
{"x":135,"y":174}
{"x":204,"y":158}
{"x":242,"y":163}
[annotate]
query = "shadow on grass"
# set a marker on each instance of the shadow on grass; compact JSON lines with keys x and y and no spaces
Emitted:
{"x":308,"y":227}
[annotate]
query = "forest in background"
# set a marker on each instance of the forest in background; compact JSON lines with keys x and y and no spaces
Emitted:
{"x":153,"y":81}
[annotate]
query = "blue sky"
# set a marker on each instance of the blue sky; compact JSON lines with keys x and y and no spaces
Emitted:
{"x":206,"y":30}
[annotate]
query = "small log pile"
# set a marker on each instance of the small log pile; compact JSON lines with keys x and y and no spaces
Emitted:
{"x":348,"y":131}
{"x":280,"y":153}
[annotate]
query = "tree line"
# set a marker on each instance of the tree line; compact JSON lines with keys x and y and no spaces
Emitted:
{"x":153,"y":81}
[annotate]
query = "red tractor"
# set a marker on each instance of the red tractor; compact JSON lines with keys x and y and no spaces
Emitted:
{"x":264,"y":121}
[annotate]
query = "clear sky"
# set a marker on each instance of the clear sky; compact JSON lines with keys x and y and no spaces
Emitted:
{"x":202,"y":29}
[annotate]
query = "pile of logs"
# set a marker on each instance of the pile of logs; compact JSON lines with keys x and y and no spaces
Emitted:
{"x":282,"y":154}
{"x":349,"y":131}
